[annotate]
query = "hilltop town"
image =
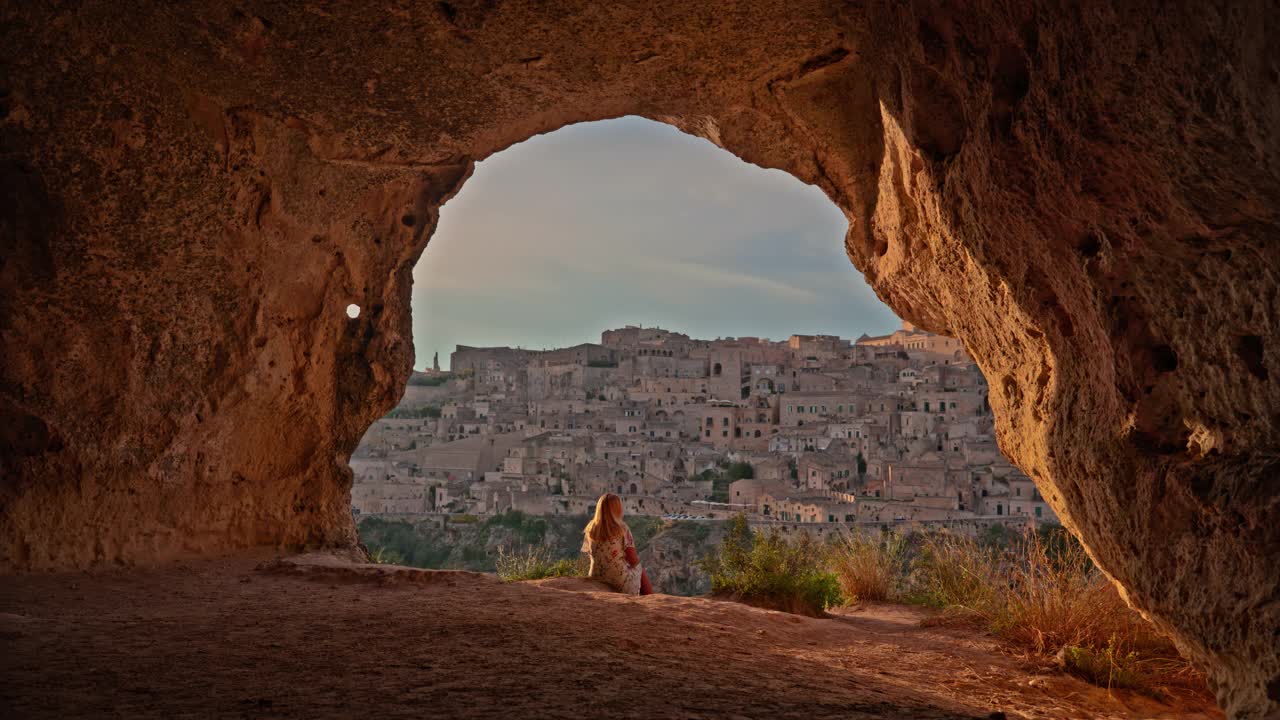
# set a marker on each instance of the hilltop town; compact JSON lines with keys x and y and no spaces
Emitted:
{"x":816,"y":429}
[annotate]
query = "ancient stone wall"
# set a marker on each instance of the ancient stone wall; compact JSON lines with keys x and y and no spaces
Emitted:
{"x":1085,"y":194}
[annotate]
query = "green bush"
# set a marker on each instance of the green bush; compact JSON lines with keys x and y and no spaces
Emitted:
{"x":425,"y":411}
{"x":429,"y":380}
{"x":643,"y":528}
{"x":397,"y":542}
{"x":531,"y":530}
{"x":385,"y":556}
{"x":536,"y":563}
{"x":1109,"y":667}
{"x":771,"y":570}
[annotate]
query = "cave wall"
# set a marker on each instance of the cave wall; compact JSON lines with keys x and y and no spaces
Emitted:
{"x":1086,"y":196}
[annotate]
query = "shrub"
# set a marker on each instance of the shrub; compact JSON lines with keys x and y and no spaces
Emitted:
{"x":954,"y":572}
{"x":536,"y":563}
{"x":1044,"y":593}
{"x":429,"y":380}
{"x":1108,"y":667}
{"x":425,"y":411}
{"x":770,"y":570}
{"x":529,"y":528}
{"x":869,"y":568}
{"x":643,"y":528}
{"x":385,"y":556}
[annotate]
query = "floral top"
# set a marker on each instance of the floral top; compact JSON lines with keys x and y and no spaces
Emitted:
{"x":609,"y":562}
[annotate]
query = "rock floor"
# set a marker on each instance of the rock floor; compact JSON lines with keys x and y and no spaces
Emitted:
{"x":320,"y":638}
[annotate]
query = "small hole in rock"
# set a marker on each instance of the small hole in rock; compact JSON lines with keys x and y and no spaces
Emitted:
{"x":353,"y":311}
{"x":1164,"y":358}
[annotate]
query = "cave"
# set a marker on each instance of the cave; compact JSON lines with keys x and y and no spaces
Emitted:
{"x":213,"y":213}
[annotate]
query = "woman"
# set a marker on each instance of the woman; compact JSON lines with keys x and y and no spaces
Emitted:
{"x":613,"y":551}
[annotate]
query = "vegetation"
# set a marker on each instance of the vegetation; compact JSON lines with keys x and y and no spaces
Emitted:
{"x":536,"y":563}
{"x":468,"y":542}
{"x":868,"y":567}
{"x":424,"y":411}
{"x":644,"y":528}
{"x":529,"y":529}
{"x":399,"y":543}
{"x":1036,"y":590}
{"x":429,"y":380}
{"x":1109,"y":667}
{"x":383,"y":556}
{"x":774,"y":571}
{"x":726,"y":475}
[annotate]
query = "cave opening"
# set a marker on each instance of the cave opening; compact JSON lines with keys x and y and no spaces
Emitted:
{"x":1087,"y":199}
{"x":592,"y":227}
{"x":531,"y":306}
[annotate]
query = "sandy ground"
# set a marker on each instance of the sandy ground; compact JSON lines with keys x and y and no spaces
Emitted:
{"x":319,"y":638}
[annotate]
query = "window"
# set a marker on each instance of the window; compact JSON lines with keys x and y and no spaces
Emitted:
{"x":724,"y":433}
{"x":1018,"y":492}
{"x":725,"y":422}
{"x":840,"y":408}
{"x":1038,"y":511}
{"x":926,"y":406}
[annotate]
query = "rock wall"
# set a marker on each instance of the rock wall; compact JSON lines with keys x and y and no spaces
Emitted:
{"x":1085,"y":194}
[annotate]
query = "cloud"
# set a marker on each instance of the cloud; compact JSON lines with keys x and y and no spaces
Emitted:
{"x":723,"y":278}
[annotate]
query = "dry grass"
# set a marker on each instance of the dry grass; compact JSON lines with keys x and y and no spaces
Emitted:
{"x":1041,"y":593}
{"x":536,"y":563}
{"x":869,"y":567}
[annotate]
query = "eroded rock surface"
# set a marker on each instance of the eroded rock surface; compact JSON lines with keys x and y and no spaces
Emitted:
{"x":1087,"y":197}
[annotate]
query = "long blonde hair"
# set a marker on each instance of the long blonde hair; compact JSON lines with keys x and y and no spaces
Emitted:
{"x":607,"y":523}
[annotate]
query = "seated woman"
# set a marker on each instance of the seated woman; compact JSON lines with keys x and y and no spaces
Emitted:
{"x":613,"y":552}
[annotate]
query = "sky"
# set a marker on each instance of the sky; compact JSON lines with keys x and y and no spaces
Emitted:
{"x":631,"y":222}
